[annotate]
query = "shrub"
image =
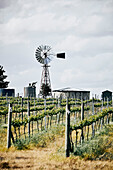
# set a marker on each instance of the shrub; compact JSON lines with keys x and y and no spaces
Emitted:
{"x":21,"y":144}
{"x":40,"y":139}
{"x":98,"y":146}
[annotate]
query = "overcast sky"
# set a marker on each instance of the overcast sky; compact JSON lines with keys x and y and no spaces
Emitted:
{"x":83,"y":29}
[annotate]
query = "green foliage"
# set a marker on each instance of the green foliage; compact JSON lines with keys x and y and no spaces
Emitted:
{"x":39,"y":116}
{"x":78,"y":109}
{"x":3,"y":84}
{"x":17,"y":123}
{"x":91,"y":149}
{"x":94,"y":118}
{"x":21,"y":144}
{"x":45,"y":90}
{"x":40,"y":139}
{"x":43,"y":138}
{"x":3,"y":110}
{"x":97,"y":148}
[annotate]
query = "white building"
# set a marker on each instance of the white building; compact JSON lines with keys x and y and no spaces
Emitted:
{"x":72,"y":93}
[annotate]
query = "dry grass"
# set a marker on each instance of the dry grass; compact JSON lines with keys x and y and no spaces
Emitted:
{"x":51,"y":157}
{"x":3,"y":139}
{"x":48,"y":158}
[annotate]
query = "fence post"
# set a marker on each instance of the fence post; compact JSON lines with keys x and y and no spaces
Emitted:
{"x":58,"y":114}
{"x":93,"y":129}
{"x":28,"y":112}
{"x":102,"y":105}
{"x":107,"y":102}
{"x":82,"y":118}
{"x":112,"y":113}
{"x":107,"y":108}
{"x":101,"y":111}
{"x":67,"y":130}
{"x":75,"y":112}
{"x":34,"y":105}
{"x":22,"y":109}
{"x":45,"y":111}
{"x":82,"y":110}
{"x":9,"y":126}
{"x":6,"y":105}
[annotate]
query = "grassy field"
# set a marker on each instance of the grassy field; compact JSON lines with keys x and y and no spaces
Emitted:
{"x":47,"y":151}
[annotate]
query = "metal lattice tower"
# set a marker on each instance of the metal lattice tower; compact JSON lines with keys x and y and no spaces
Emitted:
{"x":45,"y":80}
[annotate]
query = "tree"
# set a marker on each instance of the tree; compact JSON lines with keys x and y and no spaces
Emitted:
{"x":45,"y":90}
{"x":3,"y":84}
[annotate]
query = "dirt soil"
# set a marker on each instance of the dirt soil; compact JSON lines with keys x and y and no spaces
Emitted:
{"x":49,"y":158}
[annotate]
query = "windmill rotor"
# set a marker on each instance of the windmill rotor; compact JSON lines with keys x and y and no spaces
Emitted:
{"x":42,"y":54}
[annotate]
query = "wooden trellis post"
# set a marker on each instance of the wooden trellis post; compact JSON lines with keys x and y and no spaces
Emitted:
{"x":45,"y":111}
{"x":101,"y":120}
{"x":28,"y":112}
{"x":82,"y":118}
{"x":67,"y":130}
{"x":107,"y":108}
{"x":93,"y":129}
{"x":107,"y":102}
{"x":102,"y":106}
{"x":112,"y":113}
{"x":7,"y":105}
{"x":58,"y":115}
{"x":22,"y":109}
{"x":34,"y":105}
{"x":82,"y":110}
{"x":75,"y":113}
{"x":9,"y":126}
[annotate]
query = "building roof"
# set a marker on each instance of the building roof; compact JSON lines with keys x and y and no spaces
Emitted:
{"x":68,"y":89}
{"x":107,"y":91}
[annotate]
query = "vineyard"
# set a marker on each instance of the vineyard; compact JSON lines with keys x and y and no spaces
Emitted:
{"x":30,"y":117}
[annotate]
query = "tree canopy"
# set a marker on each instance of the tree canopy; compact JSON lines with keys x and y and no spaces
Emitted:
{"x":45,"y":90}
{"x":3,"y":83}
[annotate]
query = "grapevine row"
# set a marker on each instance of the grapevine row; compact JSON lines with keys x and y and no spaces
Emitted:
{"x":94,"y":118}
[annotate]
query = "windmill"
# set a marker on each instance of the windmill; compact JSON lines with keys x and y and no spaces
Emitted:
{"x":44,"y":56}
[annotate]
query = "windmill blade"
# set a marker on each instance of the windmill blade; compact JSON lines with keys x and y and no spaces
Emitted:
{"x":45,"y":61}
{"x":37,"y":58}
{"x":42,"y":60}
{"x":42,"y":47}
{"x":45,"y":47}
{"x":48,"y":48}
{"x":49,"y":59}
{"x":37,"y":54}
{"x":38,"y":50}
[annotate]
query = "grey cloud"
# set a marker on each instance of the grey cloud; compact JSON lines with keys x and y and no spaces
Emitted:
{"x":81,"y":28}
{"x":5,"y":3}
